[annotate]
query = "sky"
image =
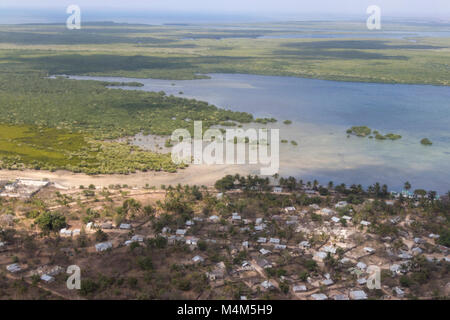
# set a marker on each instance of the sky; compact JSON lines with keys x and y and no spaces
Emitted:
{"x":393,"y":8}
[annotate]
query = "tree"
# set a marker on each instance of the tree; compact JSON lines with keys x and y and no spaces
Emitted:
{"x":330,"y":185}
{"x":51,"y":221}
{"x":100,"y":236}
{"x":407,"y":186}
{"x":131,"y":206}
{"x":226,"y":183}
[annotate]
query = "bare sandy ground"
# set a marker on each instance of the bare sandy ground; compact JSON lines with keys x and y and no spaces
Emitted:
{"x":194,"y":174}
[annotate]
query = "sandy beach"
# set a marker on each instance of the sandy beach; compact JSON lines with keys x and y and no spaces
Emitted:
{"x":193,"y":175}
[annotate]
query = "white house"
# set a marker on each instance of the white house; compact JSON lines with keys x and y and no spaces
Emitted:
{"x":277,"y":189}
{"x":358,"y":295}
{"x":103,"y":246}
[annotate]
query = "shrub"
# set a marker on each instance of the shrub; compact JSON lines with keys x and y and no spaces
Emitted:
{"x":51,"y":221}
{"x":145,"y":263}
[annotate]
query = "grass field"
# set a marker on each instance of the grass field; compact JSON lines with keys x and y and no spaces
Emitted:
{"x":51,"y":149}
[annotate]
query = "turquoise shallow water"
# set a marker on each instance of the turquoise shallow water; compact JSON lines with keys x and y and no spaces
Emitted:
{"x":321,"y":112}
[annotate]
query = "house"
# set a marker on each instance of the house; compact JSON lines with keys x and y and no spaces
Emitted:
{"x":260,"y":227}
{"x":369,"y":249}
{"x":125,"y":226}
{"x":341,"y":204}
{"x":280,"y":247}
{"x":13,"y":268}
{"x":103,"y":246}
{"x":319,"y":296}
{"x":340,"y":297}
{"x":395,"y":268}
{"x":361,"y":265}
{"x":218,"y":272}
{"x":261,"y":240}
{"x":395,"y":220}
{"x":274,"y":240}
{"x":335,"y":219}
{"x":106,"y":225}
{"x":304,"y":244}
{"x":399,"y":292}
{"x":277,"y":189}
{"x":264,"y":251}
{"x":299,"y":288}
{"x":405,"y":255}
{"x":65,"y":232}
{"x":90,"y":226}
{"x":235,"y":218}
{"x":267,"y":285}
{"x":137,"y":238}
{"x":347,"y":218}
{"x":189,"y":223}
{"x":319,"y":255}
{"x":198,"y":259}
{"x":289,"y":209}
{"x":180,"y":232}
{"x":365,"y":223}
{"x":46,"y":278}
{"x":192,"y":241}
{"x":258,"y":221}
{"x":165,"y":230}
{"x":219,"y":196}
{"x":245,"y":244}
{"x":214,"y":218}
{"x":327,"y":282}
{"x":329,"y":249}
{"x":327,"y":211}
{"x":314,"y":206}
{"x":358,"y":295}
{"x":362,"y":281}
{"x":172,"y":239}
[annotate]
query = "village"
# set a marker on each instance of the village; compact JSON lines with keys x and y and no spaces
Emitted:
{"x":247,"y":240}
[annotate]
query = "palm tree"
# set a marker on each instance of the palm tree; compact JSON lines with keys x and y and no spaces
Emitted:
{"x":315,"y":183}
{"x":407,"y":186}
{"x":330,"y":185}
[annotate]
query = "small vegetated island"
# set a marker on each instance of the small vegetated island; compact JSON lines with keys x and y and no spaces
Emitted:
{"x":124,"y":84}
{"x":364,"y":131}
{"x":426,"y":142}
